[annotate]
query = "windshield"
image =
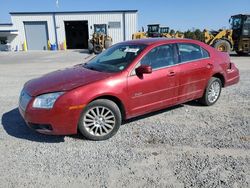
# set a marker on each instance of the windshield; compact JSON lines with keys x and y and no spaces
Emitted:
{"x":235,"y":22}
{"x":100,"y":28}
{"x":164,"y":30}
{"x":153,"y":28}
{"x":116,"y":58}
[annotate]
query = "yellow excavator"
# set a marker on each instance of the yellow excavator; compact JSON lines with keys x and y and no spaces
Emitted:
{"x":154,"y":30}
{"x":237,"y":38}
{"x":164,"y":31}
{"x":100,"y":40}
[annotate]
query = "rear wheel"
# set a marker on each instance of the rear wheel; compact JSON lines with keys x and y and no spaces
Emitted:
{"x":100,"y":120}
{"x":212,"y":92}
{"x":90,"y":47}
{"x":222,"y":45}
{"x":241,"y":53}
{"x":107,"y":43}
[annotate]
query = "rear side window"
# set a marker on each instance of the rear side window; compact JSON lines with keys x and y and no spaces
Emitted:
{"x":191,"y":52}
{"x":205,"y":53}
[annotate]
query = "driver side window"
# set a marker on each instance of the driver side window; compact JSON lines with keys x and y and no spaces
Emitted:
{"x":159,"y":57}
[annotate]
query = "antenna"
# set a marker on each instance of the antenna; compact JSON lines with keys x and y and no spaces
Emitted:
{"x":57,"y":3}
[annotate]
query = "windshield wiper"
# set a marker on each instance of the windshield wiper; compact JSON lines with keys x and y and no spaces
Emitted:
{"x":90,"y":67}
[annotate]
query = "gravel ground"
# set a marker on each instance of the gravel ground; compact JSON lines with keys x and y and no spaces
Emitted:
{"x":184,"y":146}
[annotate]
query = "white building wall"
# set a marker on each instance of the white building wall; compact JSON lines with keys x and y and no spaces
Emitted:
{"x":101,"y":18}
{"x":130,"y":24}
{"x":117,"y":34}
{"x":6,"y":27}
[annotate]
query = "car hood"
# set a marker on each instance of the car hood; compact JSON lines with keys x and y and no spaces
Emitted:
{"x":63,"y":80}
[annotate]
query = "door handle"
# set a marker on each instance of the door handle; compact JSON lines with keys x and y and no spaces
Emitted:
{"x":210,"y":65}
{"x":172,"y":73}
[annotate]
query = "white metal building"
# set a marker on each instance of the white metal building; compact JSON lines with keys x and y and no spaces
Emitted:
{"x":75,"y":28}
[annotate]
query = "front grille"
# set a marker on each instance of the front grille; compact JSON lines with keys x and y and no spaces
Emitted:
{"x":24,"y":100}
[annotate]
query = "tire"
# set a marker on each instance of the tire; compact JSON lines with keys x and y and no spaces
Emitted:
{"x":239,"y":53}
{"x":103,"y":126}
{"x":97,"y":49}
{"x":222,"y":45}
{"x":209,"y":98}
{"x":107,"y":44}
{"x":90,"y":47}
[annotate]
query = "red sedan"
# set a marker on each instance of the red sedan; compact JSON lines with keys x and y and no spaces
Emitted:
{"x":127,"y":80}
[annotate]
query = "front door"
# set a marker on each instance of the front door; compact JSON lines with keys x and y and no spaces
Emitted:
{"x":158,"y":89}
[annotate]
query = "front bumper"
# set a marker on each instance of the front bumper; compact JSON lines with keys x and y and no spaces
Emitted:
{"x":60,"y":120}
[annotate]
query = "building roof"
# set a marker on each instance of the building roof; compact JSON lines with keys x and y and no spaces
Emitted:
{"x":78,"y":12}
{"x":9,"y":30}
{"x":6,"y":24}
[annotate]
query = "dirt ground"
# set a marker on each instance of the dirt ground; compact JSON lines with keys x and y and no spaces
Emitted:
{"x":184,"y":146}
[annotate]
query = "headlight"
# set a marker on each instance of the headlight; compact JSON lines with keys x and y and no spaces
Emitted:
{"x":46,"y":101}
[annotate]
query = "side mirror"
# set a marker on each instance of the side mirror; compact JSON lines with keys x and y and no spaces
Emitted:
{"x":143,"y":69}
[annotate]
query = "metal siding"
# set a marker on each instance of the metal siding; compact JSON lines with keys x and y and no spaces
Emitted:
{"x":92,"y":18}
{"x":130,"y":24}
{"x":6,"y":27}
{"x":18,"y":20}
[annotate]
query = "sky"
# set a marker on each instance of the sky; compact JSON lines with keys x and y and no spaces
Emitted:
{"x":178,"y":15}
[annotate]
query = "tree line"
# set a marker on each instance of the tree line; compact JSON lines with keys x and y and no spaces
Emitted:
{"x":196,"y":34}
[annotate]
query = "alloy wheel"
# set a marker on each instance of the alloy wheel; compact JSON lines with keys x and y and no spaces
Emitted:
{"x":99,"y":121}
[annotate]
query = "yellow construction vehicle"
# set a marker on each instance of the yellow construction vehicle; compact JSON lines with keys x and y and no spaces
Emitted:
{"x":139,"y":35}
{"x":154,"y":30}
{"x":164,"y":31}
{"x":100,"y":40}
{"x":240,"y":25}
{"x":237,"y":38}
{"x":221,"y":40}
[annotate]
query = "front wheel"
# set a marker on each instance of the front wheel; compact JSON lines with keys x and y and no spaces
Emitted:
{"x":212,"y":92}
{"x":100,"y":120}
{"x":107,"y":43}
{"x":97,"y":49}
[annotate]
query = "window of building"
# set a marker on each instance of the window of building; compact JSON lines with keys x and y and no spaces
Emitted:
{"x":114,"y":25}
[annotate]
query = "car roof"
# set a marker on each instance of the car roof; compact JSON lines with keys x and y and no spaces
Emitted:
{"x":151,"y":41}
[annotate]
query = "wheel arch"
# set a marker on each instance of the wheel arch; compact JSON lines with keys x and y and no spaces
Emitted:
{"x":221,"y":77}
{"x":117,"y":101}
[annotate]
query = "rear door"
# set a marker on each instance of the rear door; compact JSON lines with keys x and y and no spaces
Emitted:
{"x":195,"y":69}
{"x":158,"y":89}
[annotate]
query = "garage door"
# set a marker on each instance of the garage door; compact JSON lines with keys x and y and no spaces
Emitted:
{"x":36,"y":35}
